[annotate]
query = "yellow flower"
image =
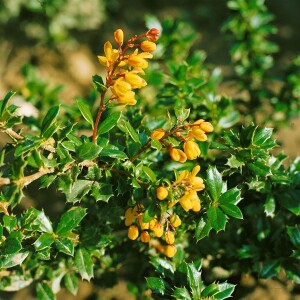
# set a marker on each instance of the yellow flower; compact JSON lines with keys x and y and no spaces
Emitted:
{"x":196,"y":182}
{"x":158,"y":134}
{"x":119,"y":36}
{"x":207,"y":127}
{"x":175,"y":220}
{"x":111,"y":55}
{"x":130,"y":215}
{"x":135,"y":80}
{"x":196,"y":206}
{"x":198,"y":134}
{"x":191,"y":150}
{"x":122,"y":90}
{"x":158,"y":230}
{"x":185,"y":202}
{"x":141,"y":223}
{"x":148,"y":46}
{"x":162,"y":193}
{"x":139,"y":60}
{"x":177,"y":155}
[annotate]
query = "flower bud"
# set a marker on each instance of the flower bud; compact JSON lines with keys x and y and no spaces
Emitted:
{"x":196,"y":205}
{"x":169,"y":237}
{"x":158,"y":134}
{"x":158,"y":230}
{"x":162,"y":193}
{"x":199,"y":134}
{"x":186,"y":202}
{"x":178,"y":155}
{"x":152,"y":34}
{"x":119,"y":36}
{"x":175,"y":220}
{"x":145,"y":237}
{"x":133,"y":232}
{"x":191,"y":150}
{"x":129,"y":216}
{"x":207,"y":127}
{"x":170,"y":251}
{"x":148,"y":46}
{"x":135,"y":80}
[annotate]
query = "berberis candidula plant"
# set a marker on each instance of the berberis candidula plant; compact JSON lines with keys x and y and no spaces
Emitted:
{"x":133,"y":172}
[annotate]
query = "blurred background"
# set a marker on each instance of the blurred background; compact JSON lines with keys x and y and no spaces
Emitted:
{"x":57,"y":43}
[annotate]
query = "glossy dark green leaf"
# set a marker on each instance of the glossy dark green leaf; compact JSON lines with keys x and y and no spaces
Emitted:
{"x":194,"y":279}
{"x":294,"y":234}
{"x":156,"y":144}
{"x":270,"y":205}
{"x":130,"y":130}
{"x":84,"y":264}
{"x":214,"y":183}
{"x":203,"y":229}
{"x":44,"y":241}
{"x":98,"y":83}
{"x":232,"y":139}
{"x":88,"y":151}
{"x":49,"y":119}
{"x":102,"y":191}
{"x":210,"y":290}
{"x":150,"y":213}
{"x":216,"y":218}
{"x":9,"y":222}
{"x":232,"y":210}
{"x":85,"y":111}
{"x":113,"y":153}
{"x":235,"y":162}
{"x":260,"y":168}
{"x":262,"y":135}
{"x":226,"y":290}
{"x":71,"y":283}
{"x":150,"y":174}
{"x":110,"y":122}
{"x":77,"y":190}
{"x":181,"y":294}
{"x":69,"y":146}
{"x":44,"y":292}
{"x":232,"y":196}
{"x":11,"y":260}
{"x":65,"y":245}
{"x":5,"y":101}
{"x":157,"y":285}
{"x":70,"y":220}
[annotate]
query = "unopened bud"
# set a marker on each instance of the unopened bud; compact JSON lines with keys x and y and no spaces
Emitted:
{"x":158,"y":134}
{"x":119,"y":36}
{"x":148,"y":46}
{"x":162,"y":193}
{"x":152,"y":34}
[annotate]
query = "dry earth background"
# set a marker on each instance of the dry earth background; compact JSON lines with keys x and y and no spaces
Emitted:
{"x":74,"y":65}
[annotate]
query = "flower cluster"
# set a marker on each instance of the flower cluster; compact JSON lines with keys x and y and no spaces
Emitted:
{"x":188,"y":133}
{"x":183,"y":191}
{"x":164,"y":228}
{"x":123,"y":69}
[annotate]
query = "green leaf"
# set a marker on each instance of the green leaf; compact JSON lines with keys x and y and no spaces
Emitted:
{"x":182,"y":114}
{"x":11,"y":260}
{"x":260,"y":169}
{"x":157,"y":285}
{"x":194,"y":279}
{"x":44,"y":241}
{"x":71,"y":283}
{"x":84,"y":264}
{"x":214,"y":183}
{"x":133,"y":134}
{"x":156,"y":144}
{"x":110,"y":122}
{"x":65,"y":245}
{"x":150,"y":174}
{"x":85,"y":111}
{"x":70,"y":220}
{"x":270,"y":205}
{"x":150,"y":213}
{"x":36,"y":220}
{"x":113,"y":153}
{"x":49,"y":119}
{"x":234,"y":162}
{"x":230,"y":119}
{"x":232,"y":210}
{"x":202,"y":230}
{"x":226,"y":290}
{"x":261,"y":136}
{"x":44,"y":292}
{"x":74,"y":192}
{"x":98,"y":83}
{"x":181,"y":294}
{"x":216,"y":218}
{"x":5,"y":101}
{"x":88,"y":151}
{"x":102,"y":191}
{"x":232,"y":196}
{"x":210,"y":290}
{"x":294,"y":234}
